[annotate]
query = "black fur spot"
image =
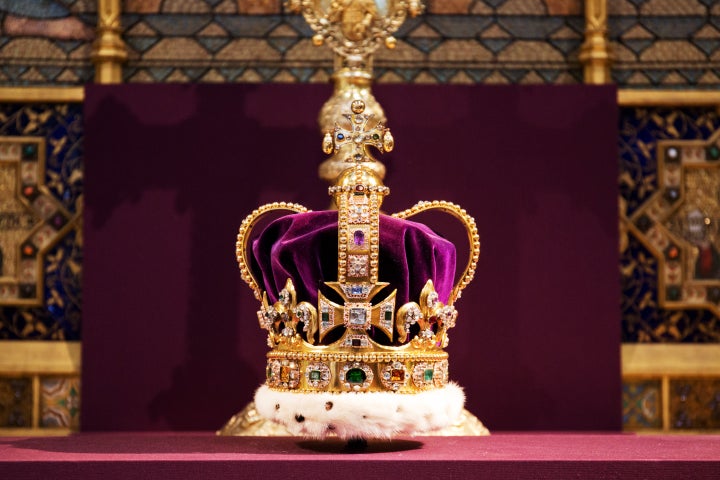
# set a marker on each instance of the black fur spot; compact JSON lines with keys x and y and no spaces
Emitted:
{"x":328,"y":405}
{"x":299,"y":418}
{"x":331,"y":427}
{"x":277,"y":406}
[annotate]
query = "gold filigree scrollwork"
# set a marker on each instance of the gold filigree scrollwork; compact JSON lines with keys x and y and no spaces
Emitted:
{"x":354,"y":29}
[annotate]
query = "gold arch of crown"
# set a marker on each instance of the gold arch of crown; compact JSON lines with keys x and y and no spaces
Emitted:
{"x":355,"y":361}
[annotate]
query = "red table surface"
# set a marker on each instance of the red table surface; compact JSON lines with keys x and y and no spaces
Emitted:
{"x":504,"y":455}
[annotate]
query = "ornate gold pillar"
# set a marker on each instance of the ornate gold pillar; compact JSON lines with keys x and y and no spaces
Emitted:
{"x":595,"y":51}
{"x":109,"y":50}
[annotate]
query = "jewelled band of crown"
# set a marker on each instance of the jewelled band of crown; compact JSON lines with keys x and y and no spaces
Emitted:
{"x":241,"y":246}
{"x":472,"y":236}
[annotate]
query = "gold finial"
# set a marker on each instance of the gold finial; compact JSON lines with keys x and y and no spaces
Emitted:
{"x":354,"y":29}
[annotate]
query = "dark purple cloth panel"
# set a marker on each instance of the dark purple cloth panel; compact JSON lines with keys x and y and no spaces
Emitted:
{"x":303,"y":247}
{"x":170,"y":336}
{"x":179,"y":456}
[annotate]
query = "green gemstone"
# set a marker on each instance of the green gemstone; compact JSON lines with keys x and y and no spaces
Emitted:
{"x":713,"y":152}
{"x":325,"y":317}
{"x":315,"y":375}
{"x":388,"y":314}
{"x":355,"y":375}
{"x":428,"y":375}
{"x":376,"y":137}
{"x":269,"y":372}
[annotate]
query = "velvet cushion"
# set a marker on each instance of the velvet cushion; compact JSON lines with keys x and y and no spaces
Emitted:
{"x":303,"y":247}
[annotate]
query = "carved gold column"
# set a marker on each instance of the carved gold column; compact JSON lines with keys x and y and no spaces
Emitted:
{"x":595,"y":51}
{"x":109,"y":50}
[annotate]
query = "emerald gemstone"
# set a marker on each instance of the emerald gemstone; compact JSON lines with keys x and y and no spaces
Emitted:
{"x":325,"y":317}
{"x":713,"y":152}
{"x":388,"y":315}
{"x":376,"y":137}
{"x":428,"y":375}
{"x":269,"y":372}
{"x":315,"y":375}
{"x":355,"y":375}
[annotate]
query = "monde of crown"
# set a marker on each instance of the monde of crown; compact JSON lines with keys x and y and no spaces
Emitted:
{"x":355,"y":340}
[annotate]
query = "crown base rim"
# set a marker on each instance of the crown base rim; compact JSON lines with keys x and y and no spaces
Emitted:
{"x":361,"y":415}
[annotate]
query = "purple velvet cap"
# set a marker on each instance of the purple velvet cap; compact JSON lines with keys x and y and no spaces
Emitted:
{"x":303,"y":247}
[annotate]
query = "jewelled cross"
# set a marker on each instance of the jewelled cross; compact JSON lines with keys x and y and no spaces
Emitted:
{"x":359,"y":137}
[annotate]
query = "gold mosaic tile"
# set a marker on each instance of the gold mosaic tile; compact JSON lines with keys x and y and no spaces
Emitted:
{"x":258,"y":7}
{"x":141,"y":6}
{"x":177,"y":76}
{"x":180,"y":48}
{"x":226,"y":7}
{"x":15,"y":402}
{"x":564,"y":7}
{"x":140,"y":29}
{"x":674,"y":78}
{"x":185,"y":6}
{"x":449,"y":6}
{"x":250,"y":76}
{"x":673,"y":8}
{"x":621,"y":7}
{"x":461,"y":51}
{"x":496,"y":78}
{"x":31,"y":48}
{"x":212,"y":76}
{"x":248,"y":49}
{"x":141,"y":76}
{"x":529,"y":51}
{"x":480,"y":8}
{"x":60,"y":402}
{"x":213,"y":30}
{"x":523,"y":7}
{"x":304,"y":50}
{"x":672,"y":50}
{"x":695,"y":403}
{"x":709,"y":78}
{"x":425,"y":78}
{"x":461,"y":78}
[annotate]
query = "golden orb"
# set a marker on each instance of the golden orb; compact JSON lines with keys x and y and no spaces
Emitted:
{"x":357,"y":106}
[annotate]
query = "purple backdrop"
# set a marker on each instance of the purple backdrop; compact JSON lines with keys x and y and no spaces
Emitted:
{"x":170,"y":337}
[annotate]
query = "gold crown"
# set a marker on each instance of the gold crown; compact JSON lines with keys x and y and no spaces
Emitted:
{"x":328,"y":347}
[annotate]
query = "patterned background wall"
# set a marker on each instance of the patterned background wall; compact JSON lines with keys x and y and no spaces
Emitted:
{"x":657,"y":44}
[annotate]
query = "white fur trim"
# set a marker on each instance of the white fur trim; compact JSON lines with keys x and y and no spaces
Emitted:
{"x":361,"y":415}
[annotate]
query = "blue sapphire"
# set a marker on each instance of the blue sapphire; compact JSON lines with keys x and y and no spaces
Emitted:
{"x":356,"y":290}
{"x":340,"y":136}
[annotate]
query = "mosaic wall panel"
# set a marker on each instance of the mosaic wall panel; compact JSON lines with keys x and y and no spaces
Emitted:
{"x":491,"y":41}
{"x":57,"y":316}
{"x":665,"y":43}
{"x":642,"y":404}
{"x":60,"y":402}
{"x":46,"y":41}
{"x":15,"y":402}
{"x":646,"y":315}
{"x":695,"y":403}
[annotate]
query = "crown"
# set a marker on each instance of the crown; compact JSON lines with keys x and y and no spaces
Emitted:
{"x":357,"y":304}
